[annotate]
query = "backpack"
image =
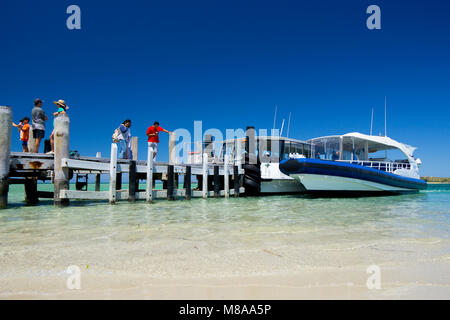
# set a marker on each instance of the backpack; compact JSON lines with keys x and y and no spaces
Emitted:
{"x":115,"y":135}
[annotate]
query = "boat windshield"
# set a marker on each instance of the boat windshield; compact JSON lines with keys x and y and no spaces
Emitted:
{"x":294,"y":149}
{"x":349,"y":148}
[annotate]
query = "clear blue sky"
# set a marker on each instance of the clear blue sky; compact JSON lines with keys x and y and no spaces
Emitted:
{"x":228,"y":63}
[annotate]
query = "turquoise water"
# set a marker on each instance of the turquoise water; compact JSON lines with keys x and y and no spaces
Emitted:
{"x":222,"y":236}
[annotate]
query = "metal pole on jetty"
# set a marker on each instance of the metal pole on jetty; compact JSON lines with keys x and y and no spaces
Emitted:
{"x":5,"y":147}
{"x":61,"y":181}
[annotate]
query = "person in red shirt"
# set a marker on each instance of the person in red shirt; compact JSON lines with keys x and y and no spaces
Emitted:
{"x":153,"y":136}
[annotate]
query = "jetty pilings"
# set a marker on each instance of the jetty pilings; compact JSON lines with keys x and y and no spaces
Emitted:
{"x":5,"y":147}
{"x":113,"y":174}
{"x":61,"y":174}
{"x":97,"y":176}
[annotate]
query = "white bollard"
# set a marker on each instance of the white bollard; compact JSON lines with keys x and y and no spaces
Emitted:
{"x":5,"y":147}
{"x":113,"y":174}
{"x":149,"y":187}
{"x":134,"y":147}
{"x":61,"y":181}
{"x":205,"y":176}
{"x":172,"y":142}
{"x":31,"y":143}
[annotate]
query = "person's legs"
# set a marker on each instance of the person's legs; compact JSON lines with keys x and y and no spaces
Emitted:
{"x":154,"y":146}
{"x":25,"y":146}
{"x":38,"y":135}
{"x":122,"y":149}
{"x":37,"y":142}
{"x":52,"y":140}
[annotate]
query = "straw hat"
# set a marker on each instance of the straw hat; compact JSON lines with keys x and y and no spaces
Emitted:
{"x":62,"y":104}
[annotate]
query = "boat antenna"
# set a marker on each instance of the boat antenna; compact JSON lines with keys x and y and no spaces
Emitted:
{"x":275,"y":117}
{"x":282,"y":125}
{"x":289,"y":124}
{"x":385,"y":125}
{"x":371,"y":123}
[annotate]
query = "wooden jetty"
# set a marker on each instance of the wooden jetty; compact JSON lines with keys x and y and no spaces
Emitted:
{"x":223,"y":179}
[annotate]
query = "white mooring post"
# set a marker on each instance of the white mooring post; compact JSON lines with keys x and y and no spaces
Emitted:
{"x":205,"y":176}
{"x":172,"y":142}
{"x":134,"y":147}
{"x":113,"y":174}
{"x":5,"y":152}
{"x":61,"y":174}
{"x":149,"y":187}
{"x":226,"y":184}
{"x":31,"y":140}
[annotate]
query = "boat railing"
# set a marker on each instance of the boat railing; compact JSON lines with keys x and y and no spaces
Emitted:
{"x":386,"y":166}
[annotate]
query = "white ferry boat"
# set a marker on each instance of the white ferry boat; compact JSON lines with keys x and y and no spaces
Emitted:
{"x":356,"y":163}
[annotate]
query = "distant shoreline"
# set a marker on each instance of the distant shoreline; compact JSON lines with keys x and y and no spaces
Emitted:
{"x":436,"y":179}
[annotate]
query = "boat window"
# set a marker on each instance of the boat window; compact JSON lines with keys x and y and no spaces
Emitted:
{"x":294,"y":149}
{"x":327,"y":148}
{"x":307,"y":150}
{"x":268,"y":150}
{"x":348,"y":149}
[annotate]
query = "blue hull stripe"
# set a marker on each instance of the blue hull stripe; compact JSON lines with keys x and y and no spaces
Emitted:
{"x":348,"y":170}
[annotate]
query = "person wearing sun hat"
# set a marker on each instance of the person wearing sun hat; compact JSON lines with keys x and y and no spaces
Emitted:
{"x":62,"y":107}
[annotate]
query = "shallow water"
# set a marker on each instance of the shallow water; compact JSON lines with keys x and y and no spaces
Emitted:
{"x":222,"y":237}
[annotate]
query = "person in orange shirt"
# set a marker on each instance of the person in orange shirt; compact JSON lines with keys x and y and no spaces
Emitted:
{"x":153,"y":136}
{"x":24,"y":130}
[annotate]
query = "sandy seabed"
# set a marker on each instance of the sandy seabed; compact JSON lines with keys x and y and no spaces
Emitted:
{"x":275,"y":273}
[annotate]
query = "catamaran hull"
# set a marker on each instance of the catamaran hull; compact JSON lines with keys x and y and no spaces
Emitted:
{"x":322,"y":176}
{"x":281,"y":186}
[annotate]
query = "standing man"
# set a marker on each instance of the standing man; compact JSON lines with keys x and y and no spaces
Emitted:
{"x":38,"y":117}
{"x":153,"y":136}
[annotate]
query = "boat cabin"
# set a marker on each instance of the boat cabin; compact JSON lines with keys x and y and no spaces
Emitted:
{"x":269,"y":149}
{"x":379,"y":152}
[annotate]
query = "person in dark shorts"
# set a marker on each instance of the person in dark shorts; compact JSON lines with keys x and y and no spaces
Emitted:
{"x":38,"y":118}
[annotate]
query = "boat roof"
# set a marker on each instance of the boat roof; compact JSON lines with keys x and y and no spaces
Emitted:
{"x":376,"y":142}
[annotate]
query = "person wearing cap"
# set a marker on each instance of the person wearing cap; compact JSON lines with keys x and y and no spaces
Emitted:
{"x":38,"y":118}
{"x":62,"y":107}
{"x":24,"y":130}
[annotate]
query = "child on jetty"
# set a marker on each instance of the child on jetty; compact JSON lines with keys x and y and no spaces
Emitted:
{"x":24,"y":130}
